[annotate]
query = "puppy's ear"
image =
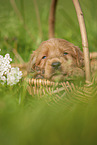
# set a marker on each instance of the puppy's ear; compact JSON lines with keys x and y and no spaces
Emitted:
{"x":31,"y":63}
{"x":79,"y":56}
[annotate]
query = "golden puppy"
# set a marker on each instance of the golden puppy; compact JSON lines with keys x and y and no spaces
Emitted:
{"x":56,"y":60}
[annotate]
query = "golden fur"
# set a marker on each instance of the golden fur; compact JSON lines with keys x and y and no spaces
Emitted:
{"x":56,"y":60}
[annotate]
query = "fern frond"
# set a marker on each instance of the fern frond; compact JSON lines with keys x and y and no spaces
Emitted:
{"x":66,"y":92}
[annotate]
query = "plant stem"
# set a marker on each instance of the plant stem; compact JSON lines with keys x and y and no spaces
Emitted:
{"x":52,"y":18}
{"x":22,"y":10}
{"x":84,"y":40}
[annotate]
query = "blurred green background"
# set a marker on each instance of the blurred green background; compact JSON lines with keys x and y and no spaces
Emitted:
{"x":47,"y":119}
{"x":13,"y":29}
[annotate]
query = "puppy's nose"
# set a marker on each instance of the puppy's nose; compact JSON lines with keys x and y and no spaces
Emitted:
{"x":56,"y":65}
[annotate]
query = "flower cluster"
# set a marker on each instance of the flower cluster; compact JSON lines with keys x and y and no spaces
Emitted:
{"x":9,"y":75}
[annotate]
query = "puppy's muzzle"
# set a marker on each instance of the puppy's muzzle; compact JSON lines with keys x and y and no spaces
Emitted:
{"x":56,"y":65}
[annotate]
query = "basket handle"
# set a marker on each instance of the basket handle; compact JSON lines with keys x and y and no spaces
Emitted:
{"x":84,"y":40}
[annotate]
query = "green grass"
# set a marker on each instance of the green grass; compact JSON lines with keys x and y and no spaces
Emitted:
{"x":46,"y":119}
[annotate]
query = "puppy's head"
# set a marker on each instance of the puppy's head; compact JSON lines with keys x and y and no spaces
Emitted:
{"x":56,"y":60}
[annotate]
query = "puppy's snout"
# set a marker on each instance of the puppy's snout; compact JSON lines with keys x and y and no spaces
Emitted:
{"x":56,"y":65}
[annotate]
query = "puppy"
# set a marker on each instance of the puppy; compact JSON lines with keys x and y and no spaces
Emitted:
{"x":56,"y":60}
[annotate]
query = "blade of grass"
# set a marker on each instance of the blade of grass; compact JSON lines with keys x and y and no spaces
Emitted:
{"x":21,"y":18}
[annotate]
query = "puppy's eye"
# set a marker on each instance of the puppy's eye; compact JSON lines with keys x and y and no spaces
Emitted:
{"x":43,"y":57}
{"x":65,"y":53}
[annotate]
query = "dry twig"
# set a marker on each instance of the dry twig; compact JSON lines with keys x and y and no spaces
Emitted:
{"x":18,"y":57}
{"x":52,"y":18}
{"x":93,"y":55}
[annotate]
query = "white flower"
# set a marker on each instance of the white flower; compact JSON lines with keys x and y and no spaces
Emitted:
{"x":8,"y":74}
{"x":3,"y":79}
{"x":7,"y":57}
{"x":13,"y":76}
